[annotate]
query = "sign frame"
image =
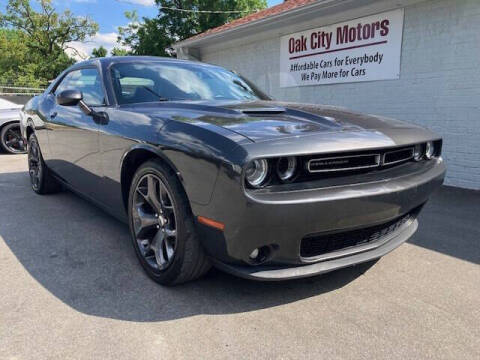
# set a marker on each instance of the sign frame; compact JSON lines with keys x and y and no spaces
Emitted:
{"x":368,"y":48}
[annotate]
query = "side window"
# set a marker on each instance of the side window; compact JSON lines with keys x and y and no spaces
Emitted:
{"x":88,"y":81}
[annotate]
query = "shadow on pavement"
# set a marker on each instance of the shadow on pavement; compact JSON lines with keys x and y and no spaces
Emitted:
{"x":450,"y":224}
{"x":84,"y":257}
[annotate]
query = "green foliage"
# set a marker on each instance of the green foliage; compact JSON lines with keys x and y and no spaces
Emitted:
{"x":100,"y":52}
{"x":119,"y":52}
{"x":156,"y":36}
{"x":34,"y":42}
{"x":19,"y":66}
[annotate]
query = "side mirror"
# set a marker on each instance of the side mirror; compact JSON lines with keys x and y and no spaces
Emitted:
{"x":72,"y":98}
{"x":69,"y":97}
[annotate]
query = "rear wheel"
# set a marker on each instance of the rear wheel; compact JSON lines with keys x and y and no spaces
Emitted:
{"x":162,"y":227}
{"x":11,"y":139}
{"x":40,"y":178}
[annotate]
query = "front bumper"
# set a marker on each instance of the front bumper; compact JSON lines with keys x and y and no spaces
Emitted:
{"x":283,"y":219}
{"x":275,"y":273}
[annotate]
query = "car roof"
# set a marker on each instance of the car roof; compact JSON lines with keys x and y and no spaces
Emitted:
{"x":106,"y":61}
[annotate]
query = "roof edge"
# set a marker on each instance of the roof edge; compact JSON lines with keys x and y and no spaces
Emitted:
{"x":263,"y":21}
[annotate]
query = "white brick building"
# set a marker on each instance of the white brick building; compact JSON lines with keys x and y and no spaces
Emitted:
{"x":439,"y":81}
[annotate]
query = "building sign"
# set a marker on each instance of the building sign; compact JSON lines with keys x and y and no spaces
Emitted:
{"x":363,"y":49}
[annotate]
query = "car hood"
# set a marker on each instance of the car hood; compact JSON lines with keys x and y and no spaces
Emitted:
{"x":266,"y":120}
{"x":271,"y":120}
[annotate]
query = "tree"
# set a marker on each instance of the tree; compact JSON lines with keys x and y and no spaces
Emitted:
{"x":15,"y":60}
{"x":100,"y":52}
{"x":46,"y":35}
{"x":119,"y":52}
{"x":156,"y":36}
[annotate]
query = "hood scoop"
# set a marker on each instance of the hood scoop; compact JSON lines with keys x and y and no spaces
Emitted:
{"x":263,"y":110}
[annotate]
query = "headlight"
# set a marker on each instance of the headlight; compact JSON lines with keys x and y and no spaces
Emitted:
{"x":256,"y":172}
{"x":418,"y":152}
{"x":286,"y":167}
{"x":429,"y":150}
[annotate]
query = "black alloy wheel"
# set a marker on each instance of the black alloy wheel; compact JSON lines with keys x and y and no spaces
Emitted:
{"x":11,"y":139}
{"x":154,"y":222}
{"x":162,"y":228}
{"x":34,"y":164}
{"x":40,"y":178}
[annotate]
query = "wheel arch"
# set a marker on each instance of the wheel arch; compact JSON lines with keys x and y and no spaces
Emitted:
{"x":29,"y":127}
{"x":8,"y":123}
{"x":133,"y":159}
{"x":29,"y":130}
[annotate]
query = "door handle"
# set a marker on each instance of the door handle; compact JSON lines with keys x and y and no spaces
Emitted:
{"x":53,"y":115}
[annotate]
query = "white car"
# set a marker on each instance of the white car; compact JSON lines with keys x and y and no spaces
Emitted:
{"x":10,"y":137}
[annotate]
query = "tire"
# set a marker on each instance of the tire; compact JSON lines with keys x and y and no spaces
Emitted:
{"x":11,"y":140}
{"x":40,"y":177}
{"x":168,"y":249}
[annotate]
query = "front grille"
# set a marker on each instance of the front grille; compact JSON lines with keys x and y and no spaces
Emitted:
{"x":358,"y":161}
{"x":320,"y":244}
{"x":343,"y":163}
{"x":396,"y":156}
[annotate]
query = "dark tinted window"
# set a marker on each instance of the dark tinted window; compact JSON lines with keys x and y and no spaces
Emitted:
{"x":160,"y":81}
{"x":88,"y":81}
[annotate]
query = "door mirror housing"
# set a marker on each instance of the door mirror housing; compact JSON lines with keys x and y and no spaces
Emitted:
{"x":73,"y":98}
{"x":69,"y":97}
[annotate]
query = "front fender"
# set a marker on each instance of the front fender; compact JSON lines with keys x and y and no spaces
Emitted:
{"x":197,"y":176}
{"x":154,"y":150}
{"x":198,"y":153}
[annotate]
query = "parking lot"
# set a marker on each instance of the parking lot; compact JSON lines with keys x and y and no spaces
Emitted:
{"x":71,"y":287}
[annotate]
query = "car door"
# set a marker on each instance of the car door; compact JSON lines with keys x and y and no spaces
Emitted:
{"x":74,"y":136}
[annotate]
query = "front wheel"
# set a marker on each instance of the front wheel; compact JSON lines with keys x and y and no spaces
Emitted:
{"x":11,"y":139}
{"x":162,"y":227}
{"x":40,"y":178}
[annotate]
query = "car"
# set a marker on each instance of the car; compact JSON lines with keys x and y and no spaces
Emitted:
{"x":11,"y":140}
{"x":208,"y":170}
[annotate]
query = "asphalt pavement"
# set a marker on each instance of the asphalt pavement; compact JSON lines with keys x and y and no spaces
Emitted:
{"x":71,"y":288}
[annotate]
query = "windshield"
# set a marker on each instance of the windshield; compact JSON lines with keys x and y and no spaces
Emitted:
{"x":163,"y":81}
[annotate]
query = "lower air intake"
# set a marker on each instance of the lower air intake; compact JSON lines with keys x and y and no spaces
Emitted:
{"x":320,"y":244}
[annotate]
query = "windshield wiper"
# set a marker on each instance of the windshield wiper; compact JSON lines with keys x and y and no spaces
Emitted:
{"x":160,"y":97}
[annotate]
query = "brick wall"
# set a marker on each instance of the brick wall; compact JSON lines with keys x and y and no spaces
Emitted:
{"x":439,"y":85}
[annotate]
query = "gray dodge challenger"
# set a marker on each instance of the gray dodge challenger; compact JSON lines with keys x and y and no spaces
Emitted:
{"x":208,"y":170}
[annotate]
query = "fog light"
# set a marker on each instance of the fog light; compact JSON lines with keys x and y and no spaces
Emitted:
{"x":254,"y":254}
{"x":260,"y":255}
